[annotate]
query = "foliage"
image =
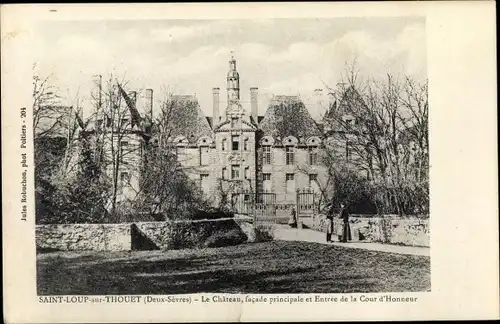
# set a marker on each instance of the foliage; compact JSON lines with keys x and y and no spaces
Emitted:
{"x":264,"y":233}
{"x":226,"y":238}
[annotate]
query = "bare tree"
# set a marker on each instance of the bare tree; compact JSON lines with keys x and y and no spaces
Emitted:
{"x":379,"y":124}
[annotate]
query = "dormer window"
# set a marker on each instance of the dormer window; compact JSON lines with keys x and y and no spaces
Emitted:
{"x":234,"y":122}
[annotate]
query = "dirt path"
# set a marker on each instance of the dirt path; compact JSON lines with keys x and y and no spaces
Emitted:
{"x":308,"y":235}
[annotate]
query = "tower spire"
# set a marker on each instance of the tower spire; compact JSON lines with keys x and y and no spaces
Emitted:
{"x":233,"y":81}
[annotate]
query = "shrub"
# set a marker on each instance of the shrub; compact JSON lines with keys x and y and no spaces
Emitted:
{"x":227,"y":238}
{"x":264,"y":233}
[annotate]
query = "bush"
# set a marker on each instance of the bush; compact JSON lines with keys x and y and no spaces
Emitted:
{"x":232,"y":237}
{"x":264,"y":233}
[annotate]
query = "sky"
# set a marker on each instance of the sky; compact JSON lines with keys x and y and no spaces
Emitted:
{"x":279,"y":56}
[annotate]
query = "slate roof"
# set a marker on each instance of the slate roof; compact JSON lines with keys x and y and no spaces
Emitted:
{"x":352,"y":98}
{"x":288,"y":116}
{"x":210,"y":122}
{"x":188,"y":119}
{"x":350,"y":101}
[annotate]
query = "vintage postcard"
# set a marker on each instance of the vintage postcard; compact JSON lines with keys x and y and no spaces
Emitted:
{"x":249,"y":162}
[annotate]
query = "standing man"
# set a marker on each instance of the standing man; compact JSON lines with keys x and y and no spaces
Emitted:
{"x":293,"y":218}
{"x":344,"y":214}
{"x":329,"y":223}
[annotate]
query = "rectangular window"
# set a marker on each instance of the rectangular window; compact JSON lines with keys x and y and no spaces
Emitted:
{"x":312,"y":179}
{"x":290,"y":155}
{"x":245,"y":145}
{"x":290,"y":183}
{"x":266,"y":154}
{"x":235,"y":171}
{"x":235,"y":142}
{"x":247,"y":173}
{"x":347,"y":151}
{"x":123,"y":150}
{"x":267,"y":184}
{"x":204,"y":156}
{"x":313,"y":155}
{"x":204,"y":182}
{"x":224,"y":173}
{"x":180,"y":152}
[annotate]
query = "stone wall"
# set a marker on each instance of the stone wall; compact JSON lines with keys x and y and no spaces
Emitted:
{"x":390,"y":229}
{"x":142,"y":235}
{"x":97,"y":237}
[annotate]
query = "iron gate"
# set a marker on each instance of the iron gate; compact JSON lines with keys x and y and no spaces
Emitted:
{"x":307,"y":205}
{"x":263,"y":207}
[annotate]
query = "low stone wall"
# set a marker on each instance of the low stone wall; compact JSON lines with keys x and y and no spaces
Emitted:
{"x":390,"y":229}
{"x":97,"y":237}
{"x":143,"y":235}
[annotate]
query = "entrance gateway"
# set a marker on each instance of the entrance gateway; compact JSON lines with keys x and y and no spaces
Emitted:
{"x":263,"y":207}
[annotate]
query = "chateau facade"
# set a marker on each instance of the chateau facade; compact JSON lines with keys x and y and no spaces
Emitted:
{"x":235,"y":154}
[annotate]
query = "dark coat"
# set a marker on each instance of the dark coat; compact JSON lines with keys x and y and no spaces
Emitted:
{"x":344,"y":214}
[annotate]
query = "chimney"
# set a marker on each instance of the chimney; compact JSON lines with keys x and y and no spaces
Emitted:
{"x":149,"y":103}
{"x":320,"y":104}
{"x":96,"y":96}
{"x":254,"y":103}
{"x":215,"y":114}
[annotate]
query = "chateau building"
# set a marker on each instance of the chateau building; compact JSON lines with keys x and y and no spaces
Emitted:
{"x":235,"y":154}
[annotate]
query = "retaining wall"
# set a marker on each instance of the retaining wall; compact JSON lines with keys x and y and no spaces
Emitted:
{"x":142,"y":235}
{"x":410,"y":231}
